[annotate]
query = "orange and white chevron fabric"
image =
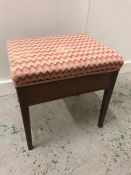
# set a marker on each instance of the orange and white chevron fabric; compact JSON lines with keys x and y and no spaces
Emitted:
{"x":59,"y":57}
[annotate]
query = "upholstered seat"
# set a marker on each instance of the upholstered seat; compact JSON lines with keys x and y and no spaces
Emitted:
{"x":59,"y":57}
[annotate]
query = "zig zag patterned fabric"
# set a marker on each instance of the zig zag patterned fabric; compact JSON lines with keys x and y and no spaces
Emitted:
{"x":58,"y":57}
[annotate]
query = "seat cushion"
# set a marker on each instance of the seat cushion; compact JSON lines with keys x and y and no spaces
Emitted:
{"x":59,"y":57}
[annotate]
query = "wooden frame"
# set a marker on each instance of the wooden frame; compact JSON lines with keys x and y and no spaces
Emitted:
{"x":39,"y":93}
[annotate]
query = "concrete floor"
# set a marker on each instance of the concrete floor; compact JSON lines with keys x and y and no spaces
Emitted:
{"x":66,"y":137}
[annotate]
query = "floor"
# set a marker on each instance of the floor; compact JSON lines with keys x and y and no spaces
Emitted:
{"x":66,"y":138}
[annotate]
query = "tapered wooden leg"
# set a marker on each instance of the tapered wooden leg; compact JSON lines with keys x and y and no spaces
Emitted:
{"x":106,"y":99}
{"x":22,"y":96}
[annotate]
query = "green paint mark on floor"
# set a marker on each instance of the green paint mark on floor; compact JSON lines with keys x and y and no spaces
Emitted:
{"x":11,"y":129}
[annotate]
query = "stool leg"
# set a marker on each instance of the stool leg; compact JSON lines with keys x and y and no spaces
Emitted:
{"x":22,"y":95}
{"x":106,"y":99}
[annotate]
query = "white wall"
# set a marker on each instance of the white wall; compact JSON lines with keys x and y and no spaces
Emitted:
{"x":21,"y":18}
{"x":108,"y":20}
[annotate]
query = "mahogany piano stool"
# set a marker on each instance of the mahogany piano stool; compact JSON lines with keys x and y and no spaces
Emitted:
{"x":54,"y":67}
